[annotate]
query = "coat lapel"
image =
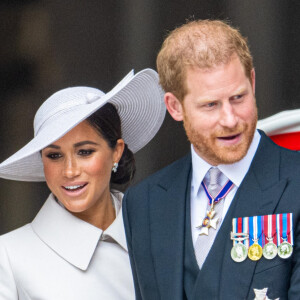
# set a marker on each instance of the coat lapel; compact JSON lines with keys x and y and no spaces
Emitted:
{"x":258,"y":194}
{"x":167,"y":222}
{"x":70,"y":237}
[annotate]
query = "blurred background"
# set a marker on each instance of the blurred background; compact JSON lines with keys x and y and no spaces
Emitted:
{"x":49,"y":45}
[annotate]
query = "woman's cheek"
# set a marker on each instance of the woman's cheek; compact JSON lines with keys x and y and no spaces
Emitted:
{"x":96,"y":166}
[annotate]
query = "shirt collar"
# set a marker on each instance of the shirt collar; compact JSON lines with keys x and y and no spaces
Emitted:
{"x":235,"y":172}
{"x":70,"y":237}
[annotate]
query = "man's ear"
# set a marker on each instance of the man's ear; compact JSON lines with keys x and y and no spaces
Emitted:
{"x":253,"y":80}
{"x":174,"y":106}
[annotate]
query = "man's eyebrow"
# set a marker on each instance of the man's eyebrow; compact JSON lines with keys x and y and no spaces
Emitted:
{"x":241,"y":91}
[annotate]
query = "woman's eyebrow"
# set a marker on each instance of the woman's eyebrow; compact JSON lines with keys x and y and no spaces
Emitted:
{"x":79,"y":144}
{"x":52,"y":146}
{"x":85,"y":143}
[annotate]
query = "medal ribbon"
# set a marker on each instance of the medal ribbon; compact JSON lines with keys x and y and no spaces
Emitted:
{"x":240,"y":225}
{"x":269,"y":229}
{"x":222,"y":194}
{"x":284,"y":224}
{"x":255,"y":230}
{"x":246,"y":230}
{"x":235,"y":228}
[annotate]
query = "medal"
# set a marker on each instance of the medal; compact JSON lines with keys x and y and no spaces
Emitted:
{"x":285,"y":250}
{"x":255,"y":250}
{"x":209,"y":221}
{"x":239,"y":250}
{"x":284,"y":224}
{"x":270,"y":248}
{"x":259,"y":236}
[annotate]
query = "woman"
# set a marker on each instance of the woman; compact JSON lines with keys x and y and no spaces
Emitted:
{"x":75,"y":248}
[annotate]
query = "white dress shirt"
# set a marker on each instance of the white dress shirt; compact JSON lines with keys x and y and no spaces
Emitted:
{"x":61,"y":257}
{"x":235,"y":172}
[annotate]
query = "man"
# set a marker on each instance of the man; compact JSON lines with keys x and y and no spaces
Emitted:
{"x":180,"y":221}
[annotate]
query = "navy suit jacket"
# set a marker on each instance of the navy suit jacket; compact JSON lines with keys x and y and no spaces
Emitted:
{"x":154,"y":217}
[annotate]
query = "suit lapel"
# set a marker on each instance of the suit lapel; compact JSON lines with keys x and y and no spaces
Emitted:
{"x":167,"y":224}
{"x":258,"y":194}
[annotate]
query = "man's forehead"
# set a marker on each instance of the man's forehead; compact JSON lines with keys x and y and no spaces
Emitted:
{"x":212,"y":67}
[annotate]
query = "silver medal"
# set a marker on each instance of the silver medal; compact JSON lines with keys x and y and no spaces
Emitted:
{"x":270,"y":250}
{"x":285,"y":250}
{"x":239,"y":252}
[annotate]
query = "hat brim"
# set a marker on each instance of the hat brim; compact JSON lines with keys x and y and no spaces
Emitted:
{"x":284,"y":122}
{"x":139,"y":101}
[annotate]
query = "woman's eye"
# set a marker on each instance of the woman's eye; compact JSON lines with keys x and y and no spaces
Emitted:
{"x":54,"y":156}
{"x":84,"y":152}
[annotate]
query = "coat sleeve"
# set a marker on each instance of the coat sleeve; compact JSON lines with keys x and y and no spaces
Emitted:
{"x":8,"y":289}
{"x":129,"y":245}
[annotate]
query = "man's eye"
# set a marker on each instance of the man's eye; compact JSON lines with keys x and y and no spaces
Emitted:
{"x":54,"y":156}
{"x":84,"y":152}
{"x":237,"y":97}
{"x":211,"y":104}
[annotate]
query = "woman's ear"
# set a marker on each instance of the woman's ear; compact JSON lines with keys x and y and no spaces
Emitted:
{"x":174,"y":106}
{"x":118,"y":151}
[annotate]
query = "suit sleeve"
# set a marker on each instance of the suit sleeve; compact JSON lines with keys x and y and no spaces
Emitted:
{"x":8,"y":289}
{"x":129,"y":245}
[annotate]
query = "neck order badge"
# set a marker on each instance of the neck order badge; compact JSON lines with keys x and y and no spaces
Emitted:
{"x":208,"y":220}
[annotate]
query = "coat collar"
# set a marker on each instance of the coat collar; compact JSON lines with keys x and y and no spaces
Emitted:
{"x":70,"y":237}
{"x":167,"y":224}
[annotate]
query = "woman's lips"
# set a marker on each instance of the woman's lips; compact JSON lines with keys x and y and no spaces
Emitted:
{"x":74,"y":189}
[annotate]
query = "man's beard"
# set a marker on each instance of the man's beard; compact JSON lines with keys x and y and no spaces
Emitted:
{"x":210,"y":150}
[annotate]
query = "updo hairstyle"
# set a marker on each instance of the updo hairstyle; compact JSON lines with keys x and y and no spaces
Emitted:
{"x":107,"y":122}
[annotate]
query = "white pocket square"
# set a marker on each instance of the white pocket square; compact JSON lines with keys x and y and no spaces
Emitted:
{"x":262,"y":294}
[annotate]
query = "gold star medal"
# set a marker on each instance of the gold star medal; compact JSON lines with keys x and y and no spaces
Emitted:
{"x":208,"y":222}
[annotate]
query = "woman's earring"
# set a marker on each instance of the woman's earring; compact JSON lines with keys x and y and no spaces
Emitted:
{"x":115,"y":167}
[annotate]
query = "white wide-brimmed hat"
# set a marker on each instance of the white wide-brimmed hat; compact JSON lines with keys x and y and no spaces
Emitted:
{"x":138,"y":99}
{"x":283,"y":128}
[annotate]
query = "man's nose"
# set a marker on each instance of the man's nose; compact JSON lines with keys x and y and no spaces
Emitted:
{"x":71,"y":167}
{"x":228,"y":116}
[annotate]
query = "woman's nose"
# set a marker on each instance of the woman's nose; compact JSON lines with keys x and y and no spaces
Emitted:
{"x":71,"y":168}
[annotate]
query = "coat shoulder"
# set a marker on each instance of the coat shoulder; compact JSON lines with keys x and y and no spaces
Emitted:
{"x":165,"y":175}
{"x":136,"y":196}
{"x":18,"y":239}
{"x":287,"y":160}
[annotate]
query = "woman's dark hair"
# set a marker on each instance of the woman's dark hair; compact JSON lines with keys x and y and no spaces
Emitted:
{"x":107,"y":122}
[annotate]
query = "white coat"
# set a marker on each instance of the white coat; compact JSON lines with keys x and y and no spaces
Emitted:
{"x":60,"y":257}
